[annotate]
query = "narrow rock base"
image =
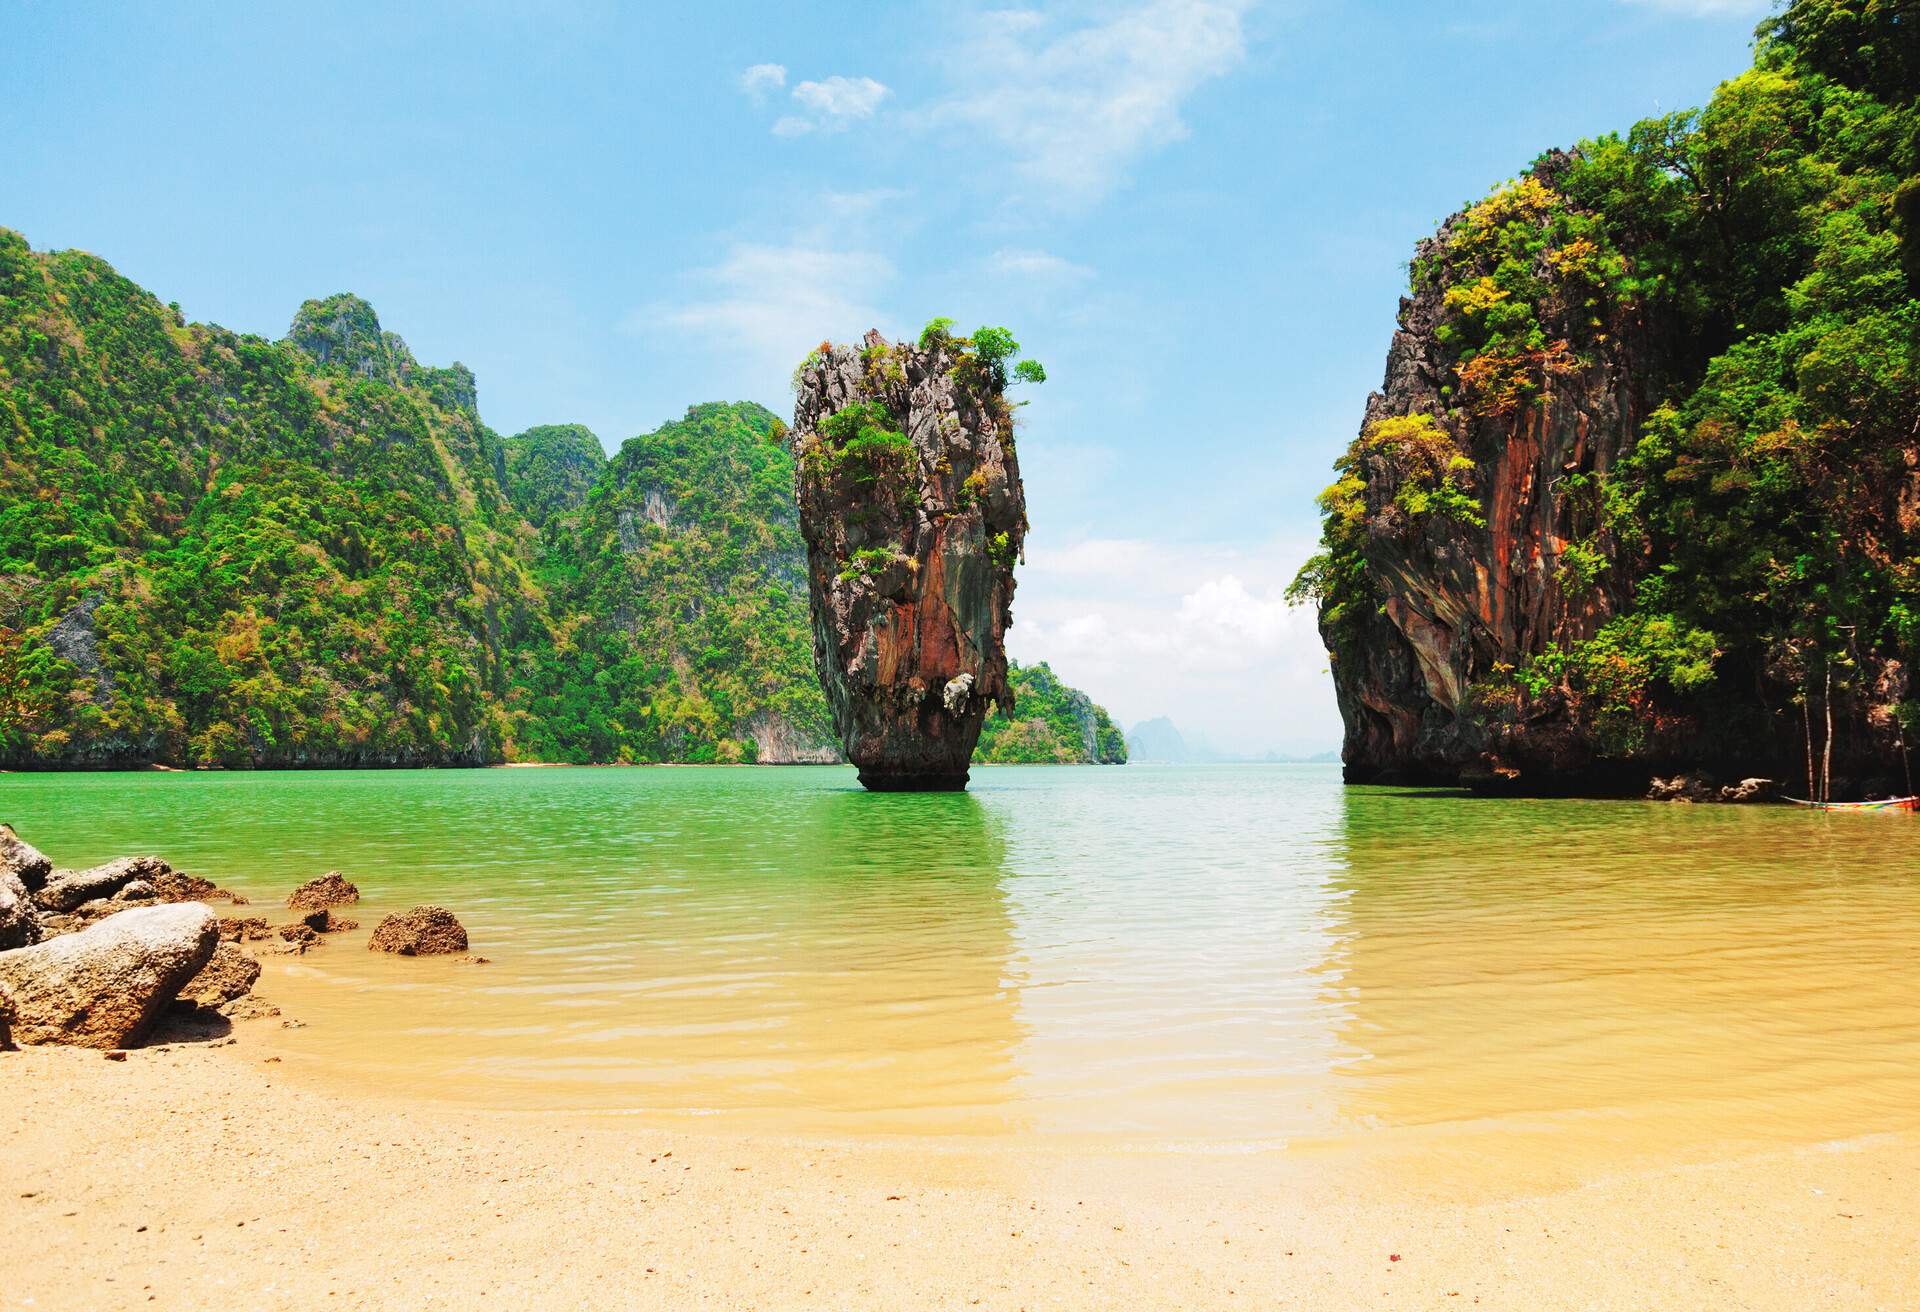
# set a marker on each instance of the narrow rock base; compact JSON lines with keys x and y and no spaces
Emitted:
{"x":894,"y":781}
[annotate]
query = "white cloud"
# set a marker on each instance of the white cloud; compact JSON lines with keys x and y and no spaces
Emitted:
{"x":762,"y":80}
{"x":770,"y":304}
{"x":832,"y":105}
{"x":1038,"y":266}
{"x":1197,"y":631}
{"x":1075,"y":107}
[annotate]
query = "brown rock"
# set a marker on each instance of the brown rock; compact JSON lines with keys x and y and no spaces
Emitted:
{"x":321,"y":920}
{"x":423,"y":931}
{"x":330,"y":890}
{"x":913,"y":514}
{"x":228,"y":974}
{"x":177,"y":887}
{"x":104,"y":986}
{"x":250,"y":1007}
{"x":25,"y":860}
{"x":66,"y":889}
{"x":300,"y":933}
{"x":243,"y":929}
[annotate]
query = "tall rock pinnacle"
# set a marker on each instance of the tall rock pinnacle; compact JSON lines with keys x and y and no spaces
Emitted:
{"x":913,"y":514}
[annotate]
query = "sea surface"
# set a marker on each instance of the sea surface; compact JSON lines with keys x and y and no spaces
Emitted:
{"x":1212,"y":959}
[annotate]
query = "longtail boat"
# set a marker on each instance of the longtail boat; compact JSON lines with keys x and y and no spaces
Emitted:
{"x":1881,"y":804}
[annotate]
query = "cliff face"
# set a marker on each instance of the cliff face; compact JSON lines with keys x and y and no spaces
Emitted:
{"x":913,"y":515}
{"x":1460,"y":594}
{"x":1638,"y":494}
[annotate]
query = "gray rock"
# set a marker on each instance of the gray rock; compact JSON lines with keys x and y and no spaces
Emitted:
{"x":104,"y":986}
{"x":67,"y":889}
{"x":25,"y":860}
{"x":1752,"y":790}
{"x":19,"y":920}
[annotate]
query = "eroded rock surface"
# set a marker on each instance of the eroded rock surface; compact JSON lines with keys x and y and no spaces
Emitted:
{"x":330,"y":890}
{"x":26,"y":861}
{"x":104,"y":986}
{"x":913,"y":514}
{"x":66,"y":890}
{"x":19,"y":920}
{"x":421,"y":932}
{"x":228,"y":974}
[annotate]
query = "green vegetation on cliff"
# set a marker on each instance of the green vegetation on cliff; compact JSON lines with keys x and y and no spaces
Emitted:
{"x":1051,"y":724}
{"x":681,"y":601}
{"x":220,"y":550}
{"x":1745,"y":276}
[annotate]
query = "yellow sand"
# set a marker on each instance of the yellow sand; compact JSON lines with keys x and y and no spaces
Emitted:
{"x":211,"y":1177}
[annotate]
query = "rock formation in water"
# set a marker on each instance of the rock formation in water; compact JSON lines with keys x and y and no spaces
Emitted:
{"x":1639,"y":493}
{"x":913,"y":514}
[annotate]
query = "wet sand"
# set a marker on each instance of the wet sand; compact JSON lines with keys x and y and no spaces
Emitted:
{"x":212,"y":1177}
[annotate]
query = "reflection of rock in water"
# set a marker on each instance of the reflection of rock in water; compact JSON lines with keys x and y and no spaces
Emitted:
{"x":892,"y":951}
{"x":1561,"y":974}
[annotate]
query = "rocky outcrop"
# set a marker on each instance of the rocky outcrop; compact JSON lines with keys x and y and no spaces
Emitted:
{"x":104,"y":986}
{"x":332,"y":889}
{"x":19,"y":919}
{"x":421,"y":932}
{"x":1466,"y":496}
{"x":228,"y":974}
{"x":26,"y":861}
{"x":913,"y":515}
{"x":68,"y":889}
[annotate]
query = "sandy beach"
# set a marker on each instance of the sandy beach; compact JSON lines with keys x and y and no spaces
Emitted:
{"x":201,"y":1176}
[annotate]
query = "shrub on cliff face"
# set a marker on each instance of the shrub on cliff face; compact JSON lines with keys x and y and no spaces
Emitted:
{"x":1737,"y":284}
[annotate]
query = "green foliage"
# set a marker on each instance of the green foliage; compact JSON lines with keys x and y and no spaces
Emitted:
{"x":550,"y":469}
{"x":937,"y":331}
{"x":862,"y":442}
{"x":1051,"y":724}
{"x":218,"y":550}
{"x":1762,"y":250}
{"x":690,"y":540}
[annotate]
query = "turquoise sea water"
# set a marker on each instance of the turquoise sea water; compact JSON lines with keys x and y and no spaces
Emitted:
{"x":1207,"y":956}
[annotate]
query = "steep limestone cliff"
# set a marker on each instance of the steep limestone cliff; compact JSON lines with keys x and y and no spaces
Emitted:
{"x":913,"y":514}
{"x":1638,"y":493}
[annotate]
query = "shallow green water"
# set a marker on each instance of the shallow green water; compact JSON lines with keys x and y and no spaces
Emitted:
{"x":1198,"y":956}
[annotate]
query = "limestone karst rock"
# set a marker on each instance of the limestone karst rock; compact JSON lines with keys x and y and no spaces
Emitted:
{"x":913,"y":514}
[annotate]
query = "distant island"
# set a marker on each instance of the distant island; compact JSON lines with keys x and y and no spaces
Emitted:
{"x":1639,"y":491}
{"x":222,"y":551}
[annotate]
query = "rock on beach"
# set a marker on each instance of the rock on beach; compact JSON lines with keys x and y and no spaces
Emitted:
{"x":105,"y":986}
{"x":423,"y":931}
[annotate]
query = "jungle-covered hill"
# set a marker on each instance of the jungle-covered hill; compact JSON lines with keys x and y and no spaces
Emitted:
{"x":220,"y":550}
{"x":1641,"y":490}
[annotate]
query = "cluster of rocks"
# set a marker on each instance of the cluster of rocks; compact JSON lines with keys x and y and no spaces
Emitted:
{"x":94,"y":958}
{"x":1699,"y":786}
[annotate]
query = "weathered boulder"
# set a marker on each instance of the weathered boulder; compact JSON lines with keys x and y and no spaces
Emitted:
{"x":913,"y":515}
{"x":237,"y":929}
{"x":137,"y":890}
{"x":65,"y":890}
{"x":19,"y":919}
{"x":25,"y":860}
{"x":228,"y":974}
{"x":175,"y":886}
{"x":321,"y":920}
{"x":329,"y":890}
{"x":300,"y":933}
{"x":7,"y":1013}
{"x":104,"y":986}
{"x":421,"y":932}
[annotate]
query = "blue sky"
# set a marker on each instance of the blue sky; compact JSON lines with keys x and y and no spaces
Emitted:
{"x":1196,"y":213}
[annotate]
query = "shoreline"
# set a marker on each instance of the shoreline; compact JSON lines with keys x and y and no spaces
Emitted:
{"x":203,"y":1175}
